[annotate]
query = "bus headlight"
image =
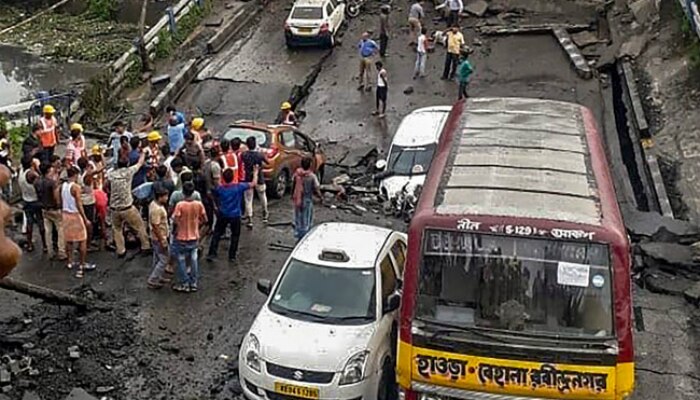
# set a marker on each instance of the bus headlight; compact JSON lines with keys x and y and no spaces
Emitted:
{"x":252,"y":353}
{"x":354,"y":370}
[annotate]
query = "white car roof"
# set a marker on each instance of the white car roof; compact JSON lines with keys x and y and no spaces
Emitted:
{"x":360,"y":242}
{"x":309,"y":3}
{"x":422,"y":126}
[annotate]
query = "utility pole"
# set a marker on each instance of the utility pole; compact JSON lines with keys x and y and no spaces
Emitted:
{"x":146,"y":65}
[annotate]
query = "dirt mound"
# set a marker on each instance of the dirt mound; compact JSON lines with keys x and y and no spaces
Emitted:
{"x":52,"y":350}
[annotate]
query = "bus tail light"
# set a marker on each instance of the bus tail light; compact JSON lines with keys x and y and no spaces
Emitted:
{"x":407,"y":394}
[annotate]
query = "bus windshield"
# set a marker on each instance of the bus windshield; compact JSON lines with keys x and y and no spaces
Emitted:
{"x":537,"y":286}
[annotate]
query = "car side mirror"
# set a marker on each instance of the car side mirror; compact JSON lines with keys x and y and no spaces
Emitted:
{"x":380,"y":165}
{"x":264,"y":286}
{"x":392,"y":303}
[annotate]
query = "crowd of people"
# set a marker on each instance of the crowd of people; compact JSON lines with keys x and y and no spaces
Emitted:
{"x":167,"y":192}
{"x":457,"y":64}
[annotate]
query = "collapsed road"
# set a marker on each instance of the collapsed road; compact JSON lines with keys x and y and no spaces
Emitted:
{"x":158,"y":345}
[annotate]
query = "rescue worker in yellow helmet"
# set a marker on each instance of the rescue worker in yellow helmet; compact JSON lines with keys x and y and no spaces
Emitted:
{"x":49,"y":132}
{"x":76,"y":147}
{"x":154,"y":153}
{"x":288,"y":116}
{"x":200,"y":133}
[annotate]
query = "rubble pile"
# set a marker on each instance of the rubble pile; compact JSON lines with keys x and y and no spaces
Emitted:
{"x":667,"y":254}
{"x":55,"y":353}
{"x":351,"y":180}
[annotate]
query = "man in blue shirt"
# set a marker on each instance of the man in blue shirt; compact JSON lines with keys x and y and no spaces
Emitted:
{"x":176,"y":134}
{"x":228,"y":198}
{"x":368,"y":48}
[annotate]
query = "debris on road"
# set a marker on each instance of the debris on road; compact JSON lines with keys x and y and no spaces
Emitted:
{"x":529,"y":29}
{"x":586,"y":38}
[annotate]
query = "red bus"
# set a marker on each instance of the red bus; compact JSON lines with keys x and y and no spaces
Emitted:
{"x":517,"y":281}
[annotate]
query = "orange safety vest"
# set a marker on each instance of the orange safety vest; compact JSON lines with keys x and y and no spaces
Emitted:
{"x":48,"y":131}
{"x":230,"y":161}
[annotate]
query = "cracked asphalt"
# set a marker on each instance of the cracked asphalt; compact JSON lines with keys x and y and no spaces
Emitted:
{"x":198,"y":335}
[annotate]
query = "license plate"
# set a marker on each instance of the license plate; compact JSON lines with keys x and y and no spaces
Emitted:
{"x":304,"y":30}
{"x":297,"y":391}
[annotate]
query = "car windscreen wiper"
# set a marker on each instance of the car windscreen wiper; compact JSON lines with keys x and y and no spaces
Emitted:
{"x":352,"y":318}
{"x":287,"y":312}
{"x":446,"y":329}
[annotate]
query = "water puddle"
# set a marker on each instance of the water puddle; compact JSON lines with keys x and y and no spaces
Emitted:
{"x":22,"y":74}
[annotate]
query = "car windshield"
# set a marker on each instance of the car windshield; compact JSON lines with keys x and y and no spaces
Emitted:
{"x":413,"y":160}
{"x":325,"y":294}
{"x":307,"y":13}
{"x":262,"y":138}
{"x":539,"y":286}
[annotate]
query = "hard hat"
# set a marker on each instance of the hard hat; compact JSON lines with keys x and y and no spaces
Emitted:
{"x":197,"y":123}
{"x":154,"y":136}
{"x":76,"y":127}
{"x":286,"y":106}
{"x":48,"y":109}
{"x":96,"y":150}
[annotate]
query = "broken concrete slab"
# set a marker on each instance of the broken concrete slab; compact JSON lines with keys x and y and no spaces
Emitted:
{"x":577,"y":59}
{"x":670,"y":253}
{"x":476,"y":7}
{"x":634,"y":46}
{"x":662,"y":282}
{"x":79,"y":394}
{"x":160,"y":79}
{"x":644,"y":11}
{"x":654,"y":226}
{"x":585,"y":38}
{"x":214,"y":21}
{"x":692,"y":294}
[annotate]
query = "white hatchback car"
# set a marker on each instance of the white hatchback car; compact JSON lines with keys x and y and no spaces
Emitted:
{"x":328,"y":328}
{"x":412,"y":150}
{"x":314,"y":22}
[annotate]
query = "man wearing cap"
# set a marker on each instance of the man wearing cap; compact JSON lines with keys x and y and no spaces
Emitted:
{"x":121,"y":202}
{"x":76,"y":146}
{"x":288,"y":116}
{"x":156,"y":157}
{"x":49,"y":134}
{"x":199,"y":131}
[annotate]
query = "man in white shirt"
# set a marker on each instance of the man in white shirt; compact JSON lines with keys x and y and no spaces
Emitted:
{"x":455,"y":7}
{"x":421,"y":54}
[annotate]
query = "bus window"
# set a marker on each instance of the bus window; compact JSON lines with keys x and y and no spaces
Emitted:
{"x":518,"y":284}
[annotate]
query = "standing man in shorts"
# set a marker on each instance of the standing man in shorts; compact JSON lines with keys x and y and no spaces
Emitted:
{"x":382,"y":89}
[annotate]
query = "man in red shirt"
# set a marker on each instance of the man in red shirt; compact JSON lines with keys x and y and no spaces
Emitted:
{"x":187,"y":217}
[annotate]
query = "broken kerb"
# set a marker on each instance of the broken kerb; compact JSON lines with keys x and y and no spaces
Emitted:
{"x":577,"y":59}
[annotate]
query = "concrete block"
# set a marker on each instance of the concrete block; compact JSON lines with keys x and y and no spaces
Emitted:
{"x":692,"y":294}
{"x":577,"y":59}
{"x":644,"y":11}
{"x":634,"y":46}
{"x":476,"y":7}
{"x":640,"y":119}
